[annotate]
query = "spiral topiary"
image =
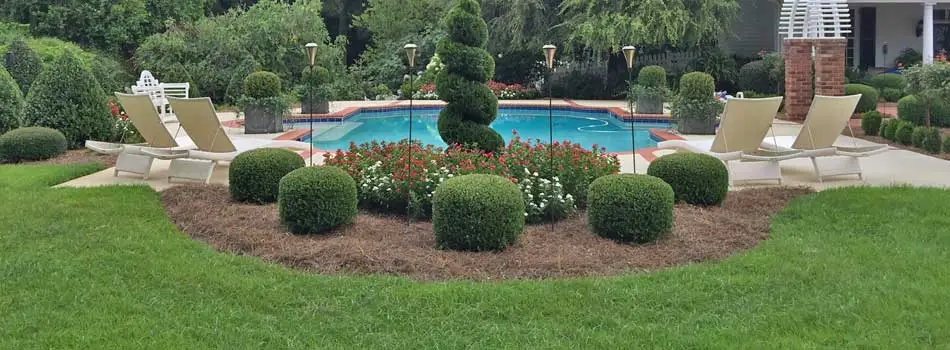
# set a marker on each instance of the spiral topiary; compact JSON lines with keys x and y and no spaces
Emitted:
{"x":696,"y":178}
{"x":477,"y":212}
{"x":472,"y":106}
{"x":630,"y":207}
{"x":33,"y":143}
{"x":254,"y":176}
{"x":316,"y":199}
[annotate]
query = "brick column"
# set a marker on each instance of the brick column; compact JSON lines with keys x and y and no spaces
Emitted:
{"x":798,"y":91}
{"x":829,"y":66}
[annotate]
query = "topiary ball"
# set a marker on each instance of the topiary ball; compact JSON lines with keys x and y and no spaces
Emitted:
{"x":889,"y":81}
{"x":262,"y":85}
{"x":652,"y":76}
{"x":255,"y":175}
{"x":904,"y":133}
{"x":917,"y":137}
{"x":630,"y":207}
{"x":32,"y":143}
{"x":889,"y":130}
{"x":871,"y":123}
{"x":910,"y":109}
{"x":891,"y":95}
{"x":697,"y":86}
{"x":316,"y":199}
{"x":697,"y":179}
{"x":931,"y":141}
{"x":869,"y":96}
{"x":477,"y":213}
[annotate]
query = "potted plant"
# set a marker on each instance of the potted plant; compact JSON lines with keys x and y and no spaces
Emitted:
{"x":263,"y":103}
{"x":650,"y":91}
{"x":695,"y":109}
{"x":316,"y":101}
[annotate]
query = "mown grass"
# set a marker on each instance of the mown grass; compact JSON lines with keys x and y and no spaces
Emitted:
{"x":104,"y":268}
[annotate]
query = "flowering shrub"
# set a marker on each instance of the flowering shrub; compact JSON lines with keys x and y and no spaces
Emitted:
{"x":551,"y":189}
{"x":503,"y":91}
{"x":426,"y":92}
{"x":123,"y":130}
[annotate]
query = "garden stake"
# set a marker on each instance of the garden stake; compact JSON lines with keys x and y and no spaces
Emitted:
{"x":312,"y":53}
{"x":628,"y":54}
{"x":411,"y":55}
{"x":549,"y":51}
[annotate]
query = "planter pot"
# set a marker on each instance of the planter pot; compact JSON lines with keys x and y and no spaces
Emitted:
{"x":649,"y":105}
{"x":696,"y":126}
{"x":317,"y":107}
{"x":262,"y":120}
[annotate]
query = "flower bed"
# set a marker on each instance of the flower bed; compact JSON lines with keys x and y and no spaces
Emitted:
{"x":502,"y":91}
{"x":551,"y":189}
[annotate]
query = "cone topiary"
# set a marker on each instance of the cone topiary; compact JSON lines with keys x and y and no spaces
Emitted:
{"x":472,"y":106}
{"x":11,"y":107}
{"x":23,"y":64}
{"x":66,"y":97}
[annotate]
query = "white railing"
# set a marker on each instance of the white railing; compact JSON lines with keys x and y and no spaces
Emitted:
{"x":814,"y":19}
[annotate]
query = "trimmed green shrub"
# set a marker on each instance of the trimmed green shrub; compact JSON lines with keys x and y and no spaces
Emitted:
{"x":869,"y":96}
{"x":652,"y":76}
{"x":262,"y":85}
{"x":255,"y":175}
{"x":931,"y":140}
{"x":911,"y":110}
{"x":940,"y":114}
{"x":472,"y":106}
{"x":630,"y":207}
{"x":754,"y":76}
{"x":871,"y":123}
{"x":11,"y":103}
{"x":316,"y":199}
{"x":697,"y":86}
{"x":946,"y":144}
{"x":23,"y":64}
{"x":477,"y":212}
{"x":888,"y":81}
{"x":917,"y":137}
{"x":66,"y":97}
{"x":891,"y":95}
{"x":33,"y":143}
{"x":905,"y":133}
{"x":694,"y":108}
{"x":889,"y":129}
{"x":696,"y":178}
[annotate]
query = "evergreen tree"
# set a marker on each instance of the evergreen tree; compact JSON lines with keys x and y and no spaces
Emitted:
{"x":11,"y":109}
{"x":23,"y":64}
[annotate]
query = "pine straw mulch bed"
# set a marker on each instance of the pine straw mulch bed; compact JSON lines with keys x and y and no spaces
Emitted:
{"x":77,"y":156}
{"x":382,"y":245}
{"x":859,"y":133}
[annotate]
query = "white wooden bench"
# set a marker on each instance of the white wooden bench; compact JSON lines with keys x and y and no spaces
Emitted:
{"x":159,"y":93}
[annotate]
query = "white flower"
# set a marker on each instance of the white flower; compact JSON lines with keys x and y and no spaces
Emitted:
{"x":535,"y":174}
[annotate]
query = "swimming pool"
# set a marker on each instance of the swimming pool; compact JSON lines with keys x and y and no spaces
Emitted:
{"x":584,"y":127}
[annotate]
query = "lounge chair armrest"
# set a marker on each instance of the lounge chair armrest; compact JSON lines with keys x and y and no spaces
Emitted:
{"x":772,"y":155}
{"x":164,"y":153}
{"x":105,"y":147}
{"x":862,"y":151}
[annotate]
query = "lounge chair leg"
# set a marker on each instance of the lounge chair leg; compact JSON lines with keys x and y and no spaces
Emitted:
{"x":133,"y":163}
{"x":191,"y":169}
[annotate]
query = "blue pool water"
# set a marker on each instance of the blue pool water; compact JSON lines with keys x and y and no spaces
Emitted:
{"x":583,"y":127}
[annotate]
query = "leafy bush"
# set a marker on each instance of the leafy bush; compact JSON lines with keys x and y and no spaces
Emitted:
{"x":23,"y":64}
{"x":254,"y":176}
{"x":519,"y":66}
{"x":32,"y":143}
{"x":696,"y":178}
{"x":909,"y":57}
{"x":891,"y":95}
{"x":869,"y":97}
{"x":381,"y":170}
{"x":754,"y":76}
{"x":586,"y":80}
{"x":262,"y":85}
{"x":11,"y":107}
{"x":477,"y":212}
{"x":911,"y":110}
{"x":652,"y":76}
{"x":124,"y":131}
{"x":717,"y":63}
{"x":946,"y":144}
{"x":931,"y":140}
{"x":871,"y":123}
{"x":695,"y":100}
{"x":928,"y":83}
{"x":917,"y":137}
{"x":888,"y":80}
{"x":630,"y":207}
{"x":904,"y":133}
{"x":468,"y":66}
{"x":316,"y":199}
{"x":111,"y":75}
{"x":651,"y":90}
{"x":66,"y":97}
{"x":889,"y":129}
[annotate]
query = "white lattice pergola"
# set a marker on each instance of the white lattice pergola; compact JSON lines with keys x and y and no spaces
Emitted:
{"x":814,"y":19}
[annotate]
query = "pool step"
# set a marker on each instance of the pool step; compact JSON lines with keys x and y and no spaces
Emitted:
{"x":337,"y":132}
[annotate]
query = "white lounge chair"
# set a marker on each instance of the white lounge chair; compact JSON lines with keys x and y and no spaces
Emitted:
{"x":827,"y":117}
{"x":200,"y":121}
{"x":146,"y":120}
{"x":743,"y":126}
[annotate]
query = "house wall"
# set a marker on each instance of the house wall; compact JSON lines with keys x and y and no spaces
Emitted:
{"x":755,"y":28}
{"x":896,"y":25}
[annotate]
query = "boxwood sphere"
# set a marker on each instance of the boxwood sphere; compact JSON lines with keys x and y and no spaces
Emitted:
{"x":630,"y":207}
{"x":869,"y":96}
{"x":477,"y":213}
{"x":697,"y":179}
{"x":32,"y":143}
{"x":262,"y":85}
{"x":255,"y":175}
{"x":316,"y":200}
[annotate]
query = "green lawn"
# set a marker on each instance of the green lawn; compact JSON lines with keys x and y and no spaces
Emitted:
{"x":104,"y":268}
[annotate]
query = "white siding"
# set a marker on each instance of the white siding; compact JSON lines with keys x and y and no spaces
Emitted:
{"x":754,"y":29}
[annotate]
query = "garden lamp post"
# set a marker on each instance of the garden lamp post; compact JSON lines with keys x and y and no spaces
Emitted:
{"x":312,"y":53}
{"x":629,"y":53}
{"x":549,"y":51}
{"x":411,"y":55}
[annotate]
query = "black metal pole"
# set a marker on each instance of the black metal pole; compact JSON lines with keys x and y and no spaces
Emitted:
{"x":551,"y":141}
{"x":310,"y":101}
{"x":409,"y":192}
{"x":633,"y":123}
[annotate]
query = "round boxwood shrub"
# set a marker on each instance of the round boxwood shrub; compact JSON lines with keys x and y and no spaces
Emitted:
{"x":32,"y":143}
{"x":889,"y":129}
{"x":316,"y":199}
{"x":477,"y":213}
{"x":630,"y":207}
{"x":910,"y":109}
{"x":697,"y":179}
{"x":23,"y":64}
{"x":11,"y":107}
{"x":871,"y":123}
{"x":946,"y":144}
{"x":262,"y":85}
{"x":697,"y":86}
{"x":891,"y":95}
{"x":255,"y":175}
{"x":472,"y":106}
{"x":869,"y":96}
{"x":888,"y":81}
{"x":917,"y":137}
{"x":931,"y":141}
{"x":67,"y":97}
{"x":652,"y":76}
{"x":905,"y":133}
{"x":754,"y":76}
